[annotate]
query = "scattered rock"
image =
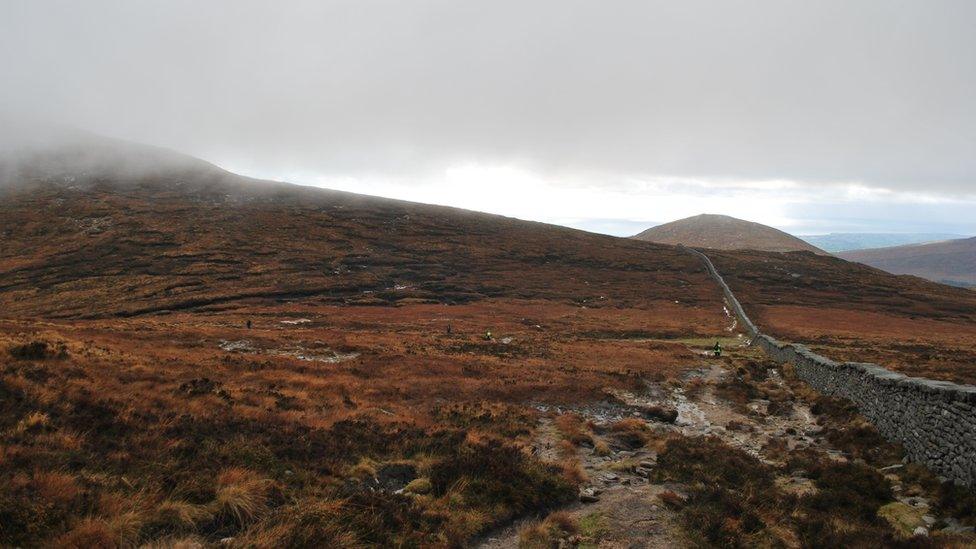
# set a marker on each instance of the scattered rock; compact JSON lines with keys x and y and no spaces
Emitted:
{"x":759,"y":407}
{"x":953,"y":526}
{"x":920,"y":531}
{"x":917,"y":501}
{"x":242,"y":346}
{"x":589,"y":495}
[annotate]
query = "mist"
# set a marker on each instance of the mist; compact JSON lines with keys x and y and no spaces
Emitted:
{"x":389,"y":96}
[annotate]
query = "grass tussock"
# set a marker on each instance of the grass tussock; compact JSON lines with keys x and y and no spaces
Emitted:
{"x":631,"y":433}
{"x":242,"y":495}
{"x":553,"y":531}
{"x":180,"y":516}
{"x":574,"y":429}
{"x":305,"y":524}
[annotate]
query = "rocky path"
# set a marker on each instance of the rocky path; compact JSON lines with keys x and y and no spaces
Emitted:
{"x":620,"y":507}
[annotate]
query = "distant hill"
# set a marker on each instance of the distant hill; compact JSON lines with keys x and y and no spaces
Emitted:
{"x":949,"y":261}
{"x":842,"y":242}
{"x":722,"y":232}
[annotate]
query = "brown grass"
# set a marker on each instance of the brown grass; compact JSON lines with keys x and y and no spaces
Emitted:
{"x":123,"y":420}
{"x":548,"y":533}
{"x":573,"y":429}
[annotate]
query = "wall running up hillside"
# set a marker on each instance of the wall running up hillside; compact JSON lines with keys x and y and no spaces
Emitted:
{"x":934,"y":420}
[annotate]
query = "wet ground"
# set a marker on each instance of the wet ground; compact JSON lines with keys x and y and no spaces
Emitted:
{"x":620,"y":507}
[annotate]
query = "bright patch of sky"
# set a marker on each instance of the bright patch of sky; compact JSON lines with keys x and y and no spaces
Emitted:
{"x":624,"y":206}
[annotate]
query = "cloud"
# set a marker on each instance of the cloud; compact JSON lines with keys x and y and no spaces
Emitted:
{"x":875,"y":92}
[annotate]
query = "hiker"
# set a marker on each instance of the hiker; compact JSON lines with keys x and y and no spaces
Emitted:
{"x":487,"y":335}
{"x":717,"y":349}
{"x":448,"y":329}
{"x":248,"y":324}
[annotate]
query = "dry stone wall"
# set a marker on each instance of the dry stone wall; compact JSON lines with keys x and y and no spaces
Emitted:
{"x":934,"y":420}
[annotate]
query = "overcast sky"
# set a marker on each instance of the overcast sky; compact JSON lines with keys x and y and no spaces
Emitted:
{"x":848,"y":115}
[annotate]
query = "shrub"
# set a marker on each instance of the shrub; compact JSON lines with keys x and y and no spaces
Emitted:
{"x":853,"y":489}
{"x":729,"y":492}
{"x":844,"y":510}
{"x":631,"y":432}
{"x":498,"y":476}
{"x":34,"y":350}
{"x":720,"y":517}
{"x":710,"y":461}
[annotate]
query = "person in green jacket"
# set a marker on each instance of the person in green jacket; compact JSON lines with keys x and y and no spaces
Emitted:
{"x":717,"y":349}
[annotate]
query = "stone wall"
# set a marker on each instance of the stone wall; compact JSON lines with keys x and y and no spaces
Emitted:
{"x":729,"y":296}
{"x":934,"y":420}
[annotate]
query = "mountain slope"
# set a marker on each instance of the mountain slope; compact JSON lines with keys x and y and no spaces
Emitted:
{"x":98,"y":243}
{"x":849,"y":311}
{"x":949,"y":261}
{"x":722,"y":232}
{"x":317,"y":355}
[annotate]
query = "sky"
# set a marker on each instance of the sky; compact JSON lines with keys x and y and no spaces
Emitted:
{"x":843,"y":116}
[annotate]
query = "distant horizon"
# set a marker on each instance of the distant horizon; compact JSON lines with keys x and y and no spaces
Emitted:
{"x":808,"y":117}
{"x":624,"y":226}
{"x":494,"y":191}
